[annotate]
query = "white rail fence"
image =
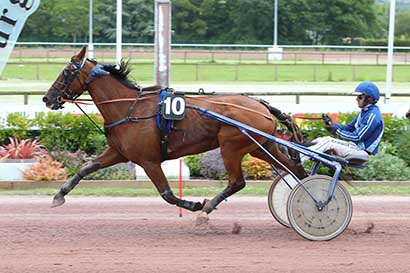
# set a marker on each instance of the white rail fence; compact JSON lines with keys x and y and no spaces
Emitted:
{"x":25,"y":95}
{"x":188,"y":53}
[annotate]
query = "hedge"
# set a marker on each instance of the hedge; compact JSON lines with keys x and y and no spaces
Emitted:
{"x":69,"y":132}
{"x":60,"y":132}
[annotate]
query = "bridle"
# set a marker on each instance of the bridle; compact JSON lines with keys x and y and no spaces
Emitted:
{"x":69,"y":76}
{"x":67,"y":94}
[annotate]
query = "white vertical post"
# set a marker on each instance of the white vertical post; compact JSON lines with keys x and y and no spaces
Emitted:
{"x":275,"y":24}
{"x":389,"y":73}
{"x":162,"y":42}
{"x":275,"y":53}
{"x":90,"y":31}
{"x":118,"y":52}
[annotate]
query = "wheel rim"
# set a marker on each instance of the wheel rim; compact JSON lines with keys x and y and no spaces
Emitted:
{"x":278,"y":197}
{"x":311,"y":223}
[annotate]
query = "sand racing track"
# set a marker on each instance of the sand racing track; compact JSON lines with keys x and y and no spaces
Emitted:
{"x":108,"y":234}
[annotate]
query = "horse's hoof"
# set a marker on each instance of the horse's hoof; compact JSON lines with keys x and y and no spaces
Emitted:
{"x":58,"y":200}
{"x":198,"y":206}
{"x":202,"y":219}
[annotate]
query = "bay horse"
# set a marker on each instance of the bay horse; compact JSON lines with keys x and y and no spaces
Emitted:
{"x":132,"y":134}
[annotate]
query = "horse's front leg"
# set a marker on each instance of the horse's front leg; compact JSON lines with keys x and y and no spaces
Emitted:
{"x":155,"y":173}
{"x":108,"y":158}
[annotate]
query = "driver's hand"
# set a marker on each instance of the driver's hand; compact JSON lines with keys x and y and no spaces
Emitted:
{"x":331,"y":128}
{"x":327,"y":120}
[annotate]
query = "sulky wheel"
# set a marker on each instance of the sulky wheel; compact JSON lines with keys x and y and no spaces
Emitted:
{"x":278,"y":197}
{"x":310,"y":222}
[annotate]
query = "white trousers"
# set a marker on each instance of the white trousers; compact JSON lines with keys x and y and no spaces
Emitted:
{"x":339,"y":147}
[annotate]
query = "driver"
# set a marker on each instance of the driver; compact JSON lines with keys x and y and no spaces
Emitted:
{"x":362,"y":135}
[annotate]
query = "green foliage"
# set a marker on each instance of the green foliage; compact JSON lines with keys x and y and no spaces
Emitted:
{"x":342,"y":18}
{"x":388,"y":148}
{"x":211,"y":21}
{"x":402,"y":24}
{"x":137,"y":21}
{"x":345,"y":118}
{"x":385,"y":167}
{"x":15,"y":125}
{"x":58,"y":21}
{"x":59,"y":132}
{"x":393,"y":127}
{"x":312,"y":129}
{"x":255,"y":168}
{"x":402,"y":41}
{"x":120,"y":171}
{"x":402,"y":144}
{"x":321,"y":170}
{"x":193,"y":163}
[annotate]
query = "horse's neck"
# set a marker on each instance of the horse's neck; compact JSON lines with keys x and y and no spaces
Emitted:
{"x":109,"y":89}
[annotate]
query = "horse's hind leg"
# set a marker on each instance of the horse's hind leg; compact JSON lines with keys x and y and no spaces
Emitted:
{"x":232,"y":162}
{"x":155,"y":173}
{"x":108,"y":158}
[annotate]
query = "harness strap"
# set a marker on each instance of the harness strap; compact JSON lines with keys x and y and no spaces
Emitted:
{"x":233,"y":105}
{"x":164,"y":126}
{"x":116,"y":123}
{"x":98,"y":127}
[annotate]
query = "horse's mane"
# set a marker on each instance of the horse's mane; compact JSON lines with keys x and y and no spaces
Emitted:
{"x":122,"y":73}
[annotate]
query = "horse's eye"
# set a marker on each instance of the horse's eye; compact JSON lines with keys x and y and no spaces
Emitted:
{"x":67,"y":73}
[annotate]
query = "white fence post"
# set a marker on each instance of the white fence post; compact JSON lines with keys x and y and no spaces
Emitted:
{"x":162,"y":42}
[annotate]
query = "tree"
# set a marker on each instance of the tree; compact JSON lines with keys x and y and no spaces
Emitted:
{"x":251,"y":21}
{"x":402,"y":24}
{"x":58,"y":21}
{"x":216,"y":21}
{"x":294,"y":20}
{"x":343,"y":18}
{"x":137,"y":21}
{"x":188,"y":22}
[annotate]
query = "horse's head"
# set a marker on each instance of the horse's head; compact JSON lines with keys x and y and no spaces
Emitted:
{"x":70,"y":84}
{"x":408,"y":114}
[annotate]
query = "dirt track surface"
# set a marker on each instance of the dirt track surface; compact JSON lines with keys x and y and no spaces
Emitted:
{"x":103,"y":234}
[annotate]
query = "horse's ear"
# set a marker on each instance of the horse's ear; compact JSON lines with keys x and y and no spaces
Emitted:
{"x":81,"y":54}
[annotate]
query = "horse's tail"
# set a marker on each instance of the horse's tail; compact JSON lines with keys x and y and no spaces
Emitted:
{"x":285,"y":120}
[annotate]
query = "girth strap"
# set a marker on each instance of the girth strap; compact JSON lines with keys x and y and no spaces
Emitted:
{"x":164,"y":126}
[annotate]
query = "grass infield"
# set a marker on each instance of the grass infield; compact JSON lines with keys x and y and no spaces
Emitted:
{"x":250,"y":190}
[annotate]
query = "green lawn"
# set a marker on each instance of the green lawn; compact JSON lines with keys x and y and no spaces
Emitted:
{"x":214,"y":72}
{"x":260,"y":190}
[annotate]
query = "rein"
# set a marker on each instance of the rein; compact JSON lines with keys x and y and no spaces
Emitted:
{"x":128,"y":118}
{"x":236,"y":106}
{"x":308,"y":118}
{"x":293,"y":128}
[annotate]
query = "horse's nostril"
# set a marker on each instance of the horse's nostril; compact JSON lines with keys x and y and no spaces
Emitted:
{"x":45,"y":99}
